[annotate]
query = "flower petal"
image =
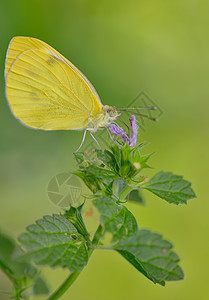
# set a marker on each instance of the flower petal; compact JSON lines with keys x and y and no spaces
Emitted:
{"x":119,"y":131}
{"x":134,"y":129}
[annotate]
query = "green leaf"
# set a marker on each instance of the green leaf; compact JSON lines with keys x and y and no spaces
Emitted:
{"x":74,"y":215}
{"x":138,"y":160}
{"x":128,"y":161}
{"x":100,"y":172}
{"x":108,"y":159}
{"x":9,"y":263}
{"x":116,"y":219}
{"x":151,"y":255}
{"x":116,"y":152}
{"x":79,"y":157}
{"x":118,"y":186}
{"x":135,"y":196}
{"x":107,"y":207}
{"x":54,"y":241}
{"x":170,"y":187}
{"x":40,"y":287}
{"x":21,"y":273}
{"x":92,"y":182}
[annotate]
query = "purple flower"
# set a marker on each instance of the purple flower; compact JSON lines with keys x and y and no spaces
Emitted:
{"x":119,"y":131}
{"x":134,"y":129}
{"x":126,"y":138}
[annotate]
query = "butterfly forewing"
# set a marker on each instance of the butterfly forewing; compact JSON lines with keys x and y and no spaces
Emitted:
{"x":44,"y":90}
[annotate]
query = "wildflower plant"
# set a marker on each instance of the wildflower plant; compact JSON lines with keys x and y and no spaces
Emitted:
{"x":114,"y":177}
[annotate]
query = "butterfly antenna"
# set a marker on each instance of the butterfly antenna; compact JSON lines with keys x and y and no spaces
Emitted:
{"x":137,"y":108}
{"x":116,"y":124}
{"x":145,"y":116}
{"x":149,"y":112}
{"x":125,"y":125}
{"x":83,"y":139}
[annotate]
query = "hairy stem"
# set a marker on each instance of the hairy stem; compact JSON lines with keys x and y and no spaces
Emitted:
{"x":65,"y":286}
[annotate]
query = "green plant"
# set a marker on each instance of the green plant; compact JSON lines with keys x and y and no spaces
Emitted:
{"x":114,"y":176}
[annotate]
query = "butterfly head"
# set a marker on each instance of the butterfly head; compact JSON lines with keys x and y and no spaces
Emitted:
{"x":104,"y":118}
{"x":110,"y":113}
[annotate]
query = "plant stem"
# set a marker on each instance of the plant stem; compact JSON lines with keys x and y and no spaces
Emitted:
{"x":65,"y":286}
{"x":125,"y":192}
{"x":97,"y":236}
{"x":129,"y":188}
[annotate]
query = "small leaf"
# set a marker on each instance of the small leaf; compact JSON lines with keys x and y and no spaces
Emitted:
{"x":92,"y":182}
{"x":116,"y":219}
{"x":79,"y":157}
{"x":108,"y":159}
{"x":116,"y":152}
{"x":151,"y":255}
{"x":54,"y":241}
{"x":100,"y":172}
{"x":135,"y":196}
{"x":139,"y":160}
{"x":74,"y":215}
{"x":170,"y":187}
{"x":118,"y":186}
{"x":40,"y":287}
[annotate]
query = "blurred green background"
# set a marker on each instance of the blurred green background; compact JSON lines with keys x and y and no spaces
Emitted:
{"x":123,"y":47}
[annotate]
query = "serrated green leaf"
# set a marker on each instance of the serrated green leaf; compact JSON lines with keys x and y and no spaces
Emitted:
{"x":121,"y":225}
{"x":116,"y":219}
{"x":107,"y":207}
{"x":150,"y":254}
{"x":54,"y":241}
{"x":170,"y":187}
{"x":132,"y":260}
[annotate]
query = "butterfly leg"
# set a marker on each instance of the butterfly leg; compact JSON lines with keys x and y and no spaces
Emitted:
{"x":125,"y":125}
{"x":84,"y":135}
{"x":95,"y":140}
{"x":116,"y":143}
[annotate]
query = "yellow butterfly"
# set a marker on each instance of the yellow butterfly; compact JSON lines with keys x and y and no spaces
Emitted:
{"x":46,"y":91}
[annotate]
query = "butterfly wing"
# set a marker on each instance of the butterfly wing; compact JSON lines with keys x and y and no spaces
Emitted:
{"x":45,"y":90}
